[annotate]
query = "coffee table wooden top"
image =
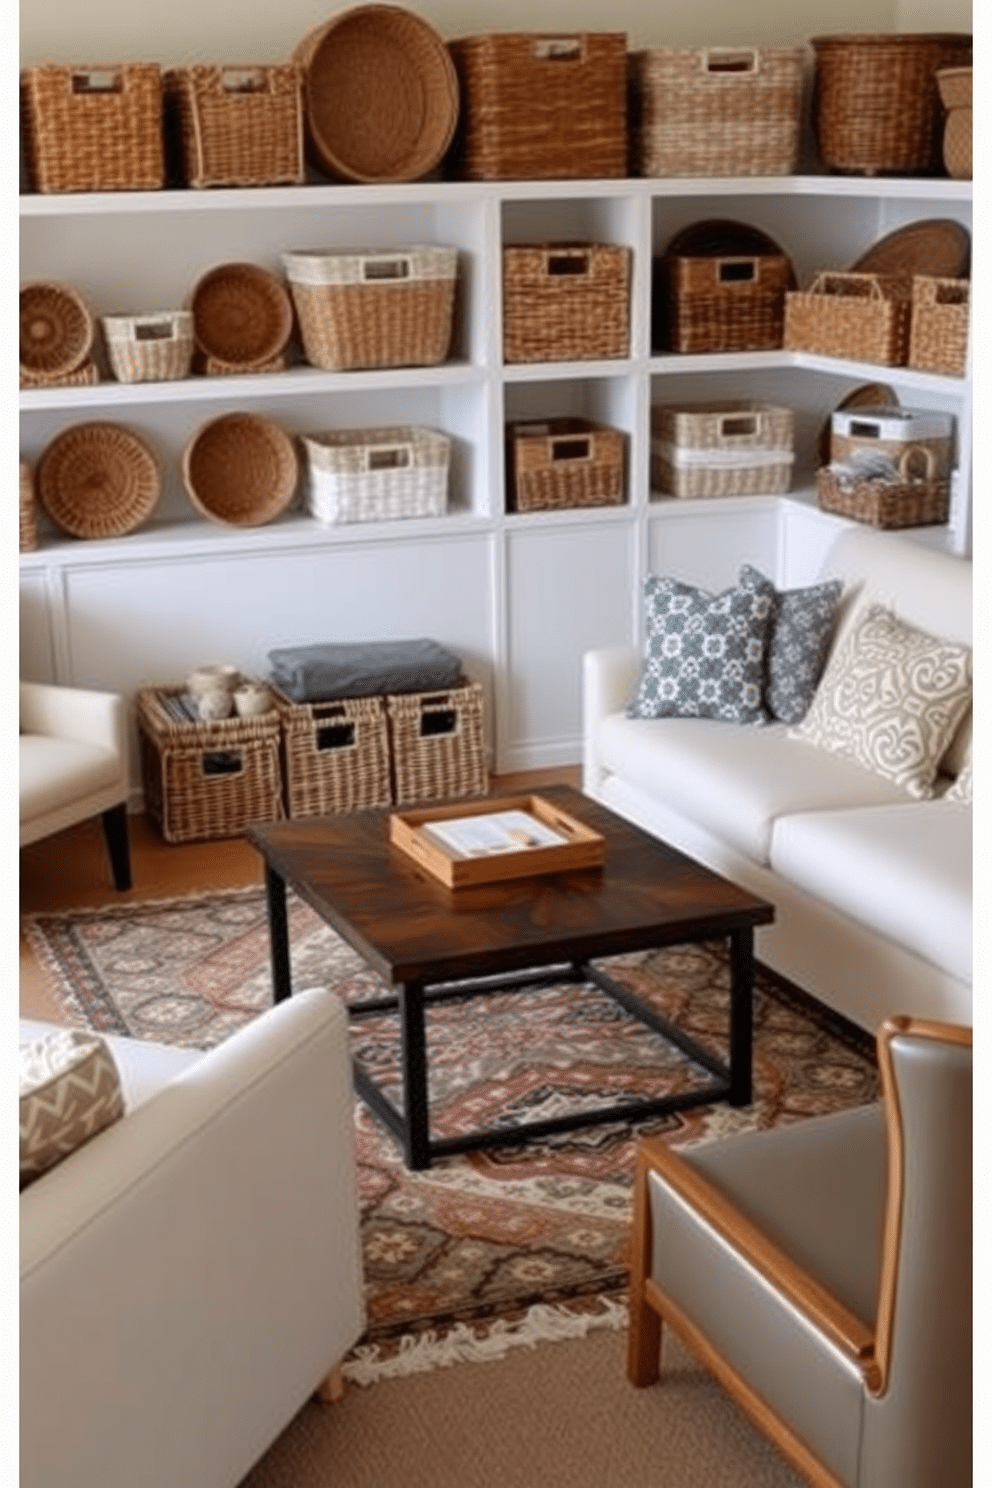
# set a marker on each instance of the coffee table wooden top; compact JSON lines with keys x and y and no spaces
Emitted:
{"x":409,"y":927}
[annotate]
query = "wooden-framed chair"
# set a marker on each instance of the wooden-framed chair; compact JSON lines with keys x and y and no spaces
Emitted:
{"x":822,"y":1271}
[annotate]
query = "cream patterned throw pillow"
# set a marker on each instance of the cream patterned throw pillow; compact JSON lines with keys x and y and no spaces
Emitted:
{"x":891,"y":698}
{"x":70,"y":1090}
{"x":961,"y":790}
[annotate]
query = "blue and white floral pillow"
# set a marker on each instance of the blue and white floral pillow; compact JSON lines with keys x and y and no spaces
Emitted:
{"x":798,"y":639}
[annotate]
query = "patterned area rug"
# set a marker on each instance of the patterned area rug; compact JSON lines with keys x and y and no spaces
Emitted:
{"x":502,"y":1246}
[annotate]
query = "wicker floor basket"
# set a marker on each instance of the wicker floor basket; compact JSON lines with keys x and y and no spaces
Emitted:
{"x":539,"y":106}
{"x":437,"y":744}
{"x":377,"y":475}
{"x":206,"y":780}
{"x":149,"y":348}
{"x":29,"y":511}
{"x":938,"y":328}
{"x":335,"y":756}
{"x":242,"y":315}
{"x":240,"y":469}
{"x":98,"y":480}
{"x":720,"y":287}
{"x":56,"y":330}
{"x":859,"y":317}
{"x":919,"y":503}
{"x":93,"y":128}
{"x":380,"y":308}
{"x":733,"y":448}
{"x":713,"y":111}
{"x":564,"y":462}
{"x":565,"y":302}
{"x":876,"y":104}
{"x":236,"y":126}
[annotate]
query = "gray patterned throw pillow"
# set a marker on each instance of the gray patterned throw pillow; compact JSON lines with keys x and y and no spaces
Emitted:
{"x":798,"y":640}
{"x":703,"y":653}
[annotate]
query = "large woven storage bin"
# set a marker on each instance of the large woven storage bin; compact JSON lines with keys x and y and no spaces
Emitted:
{"x":876,"y":104}
{"x":542,"y":106}
{"x":28,"y":510}
{"x":236,"y":126}
{"x":713,"y":111}
{"x":733,"y":448}
{"x":938,"y":327}
{"x":437,"y":744}
{"x":565,"y":462}
{"x":565,"y":302}
{"x":721,"y":286}
{"x":374,"y":308}
{"x":860,"y":317}
{"x":335,"y":755}
{"x":149,"y":348}
{"x":377,"y":475}
{"x":889,"y":504}
{"x":93,"y":128}
{"x":205,"y":780}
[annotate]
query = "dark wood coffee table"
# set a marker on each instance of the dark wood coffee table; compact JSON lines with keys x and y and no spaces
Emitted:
{"x":428,"y":941}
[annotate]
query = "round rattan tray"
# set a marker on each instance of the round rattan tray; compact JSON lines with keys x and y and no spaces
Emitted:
{"x":937,"y":247}
{"x":242,"y":315}
{"x":98,"y":480}
{"x":380,"y":95}
{"x":240,"y":469}
{"x":56,"y":329}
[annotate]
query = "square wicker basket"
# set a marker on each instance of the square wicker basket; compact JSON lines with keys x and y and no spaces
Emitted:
{"x":235,"y":126}
{"x":733,"y":448}
{"x":889,"y":504}
{"x":938,"y":327}
{"x":377,"y":475}
{"x":565,"y":302}
{"x":204,"y":780}
{"x":335,"y":755}
{"x":542,"y":106}
{"x":564,"y":462}
{"x":858,"y":317}
{"x":437,"y":744}
{"x":93,"y":128}
{"x":718,"y":303}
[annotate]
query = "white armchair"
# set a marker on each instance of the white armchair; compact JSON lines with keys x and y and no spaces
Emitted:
{"x":74,"y":765}
{"x":192,"y":1274}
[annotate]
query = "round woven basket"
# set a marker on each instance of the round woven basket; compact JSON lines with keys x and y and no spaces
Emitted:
{"x":56,"y":329}
{"x":98,"y":480}
{"x":242,"y":315}
{"x":380,"y":95}
{"x":240,"y":470}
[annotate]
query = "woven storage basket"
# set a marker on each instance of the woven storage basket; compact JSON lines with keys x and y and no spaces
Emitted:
{"x":149,"y":348}
{"x":954,"y":84}
{"x":240,"y":469}
{"x":437,"y":744}
{"x":29,"y":515}
{"x":380,"y":95}
{"x":93,"y":128}
{"x":335,"y":755}
{"x":563,"y":462}
{"x":721,"y":286}
{"x":236,"y":126}
{"x":98,"y":480}
{"x":919,"y":442}
{"x":542,"y":106}
{"x":242,"y":315}
{"x":84,"y":376}
{"x":714,"y":111}
{"x":876,"y":105}
{"x":918,"y":503}
{"x":377,"y":475}
{"x":733,"y":448}
{"x":56,"y":329}
{"x":205,"y":780}
{"x":565,"y":302}
{"x":374,"y":308}
{"x":860,"y":317}
{"x":938,"y":327}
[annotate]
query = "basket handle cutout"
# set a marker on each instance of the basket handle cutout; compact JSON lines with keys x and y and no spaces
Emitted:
{"x":571,"y":449}
{"x":737,"y":270}
{"x":558,"y":49}
{"x":386,"y":268}
{"x":857,"y":286}
{"x":396,"y":457}
{"x":155,"y":330}
{"x":861,"y":429}
{"x":568,"y":263}
{"x":719,"y":61}
{"x":336,"y":736}
{"x":917,"y":463}
{"x":99,"y":80}
{"x":437,"y":721}
{"x":950,"y":294}
{"x":222,"y":762}
{"x":244,"y":80}
{"x":738,"y":425}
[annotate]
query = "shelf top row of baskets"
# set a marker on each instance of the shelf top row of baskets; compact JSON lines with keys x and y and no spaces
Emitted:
{"x":375,"y":95}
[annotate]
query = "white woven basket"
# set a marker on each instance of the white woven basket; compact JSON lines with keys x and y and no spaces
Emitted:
{"x":149,"y":348}
{"x":735,"y":448}
{"x":377,"y":475}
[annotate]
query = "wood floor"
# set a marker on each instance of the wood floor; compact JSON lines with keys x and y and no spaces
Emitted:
{"x":69,"y":871}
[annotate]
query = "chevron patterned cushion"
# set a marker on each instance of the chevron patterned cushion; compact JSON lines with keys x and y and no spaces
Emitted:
{"x":70,"y":1090}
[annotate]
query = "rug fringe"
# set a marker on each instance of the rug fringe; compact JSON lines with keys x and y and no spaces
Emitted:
{"x":422,"y":1352}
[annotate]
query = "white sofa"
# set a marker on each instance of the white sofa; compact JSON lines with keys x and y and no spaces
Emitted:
{"x":872,"y":889}
{"x":190,"y":1275}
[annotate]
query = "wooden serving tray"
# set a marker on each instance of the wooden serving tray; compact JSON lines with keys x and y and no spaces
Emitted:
{"x":453,"y":841}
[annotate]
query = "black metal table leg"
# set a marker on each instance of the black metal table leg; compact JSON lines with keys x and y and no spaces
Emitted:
{"x":416,"y":1112}
{"x":741,"y":1015}
{"x":275,"y":893}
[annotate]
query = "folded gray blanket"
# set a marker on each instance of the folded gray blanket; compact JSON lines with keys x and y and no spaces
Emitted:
{"x":315,"y":674}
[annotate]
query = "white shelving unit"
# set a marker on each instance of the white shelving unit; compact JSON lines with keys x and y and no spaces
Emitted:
{"x":519,"y":596}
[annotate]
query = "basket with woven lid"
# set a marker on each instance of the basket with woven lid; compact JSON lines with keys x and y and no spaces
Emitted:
{"x":98,"y":480}
{"x":240,"y":469}
{"x":242,"y":315}
{"x":56,"y":329}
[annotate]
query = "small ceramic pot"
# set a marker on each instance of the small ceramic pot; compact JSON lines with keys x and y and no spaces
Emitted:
{"x":214,"y":676}
{"x":214,"y":702}
{"x":252,"y":700}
